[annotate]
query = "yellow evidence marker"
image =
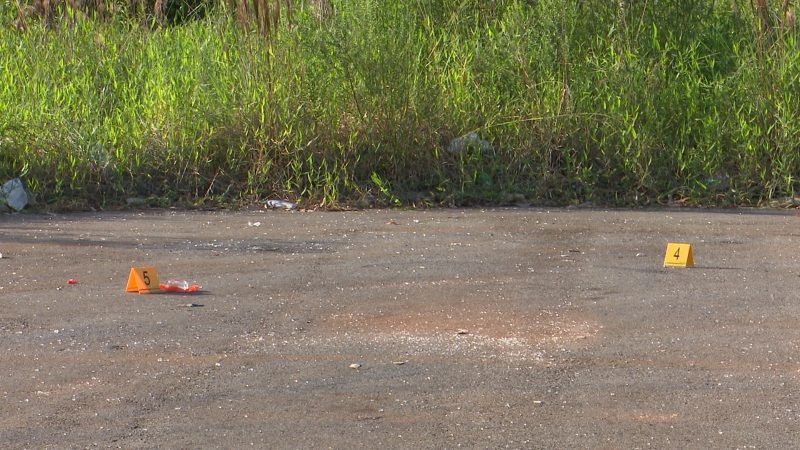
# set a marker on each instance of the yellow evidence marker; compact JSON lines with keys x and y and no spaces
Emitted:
{"x":143,"y":280}
{"x":678,"y":255}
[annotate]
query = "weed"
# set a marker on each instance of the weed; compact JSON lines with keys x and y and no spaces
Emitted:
{"x":610,"y":102}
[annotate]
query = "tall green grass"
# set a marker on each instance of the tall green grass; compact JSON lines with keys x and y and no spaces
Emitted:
{"x":610,"y":102}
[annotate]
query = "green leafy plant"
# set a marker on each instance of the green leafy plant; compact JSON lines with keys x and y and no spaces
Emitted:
{"x":620,"y":103}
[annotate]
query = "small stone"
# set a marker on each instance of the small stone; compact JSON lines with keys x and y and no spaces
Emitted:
{"x":14,"y":194}
{"x":355,"y":366}
{"x":462,"y":331}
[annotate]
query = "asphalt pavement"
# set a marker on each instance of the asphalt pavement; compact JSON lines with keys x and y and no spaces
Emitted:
{"x":444,"y":328}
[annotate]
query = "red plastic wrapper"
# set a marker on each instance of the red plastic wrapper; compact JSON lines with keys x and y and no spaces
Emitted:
{"x":180,"y":286}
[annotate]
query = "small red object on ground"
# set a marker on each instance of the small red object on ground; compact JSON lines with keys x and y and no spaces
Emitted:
{"x":173,"y":285}
{"x":72,"y":281}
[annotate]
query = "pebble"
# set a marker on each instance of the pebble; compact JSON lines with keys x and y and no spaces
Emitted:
{"x":355,"y":366}
{"x":462,"y":331}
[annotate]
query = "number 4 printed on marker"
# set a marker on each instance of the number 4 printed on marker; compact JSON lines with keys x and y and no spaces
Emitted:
{"x":678,"y":255}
